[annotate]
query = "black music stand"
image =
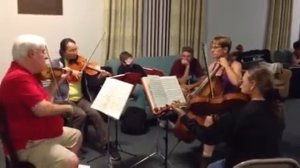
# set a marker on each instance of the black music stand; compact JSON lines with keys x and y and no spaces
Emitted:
{"x":116,"y":142}
{"x":162,"y":156}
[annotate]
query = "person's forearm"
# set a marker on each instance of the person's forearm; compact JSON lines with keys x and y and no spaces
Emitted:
{"x":47,"y":108}
{"x":54,"y":86}
{"x":195,"y":128}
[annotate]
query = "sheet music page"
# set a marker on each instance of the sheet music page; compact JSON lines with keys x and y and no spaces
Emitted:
{"x":172,"y":89}
{"x":157,"y":91}
{"x":112,"y":97}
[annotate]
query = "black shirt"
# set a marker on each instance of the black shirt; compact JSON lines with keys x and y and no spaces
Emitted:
{"x":132,"y":68}
{"x":253,"y":131}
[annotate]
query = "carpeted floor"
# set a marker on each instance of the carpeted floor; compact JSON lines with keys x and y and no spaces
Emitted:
{"x":183,"y":155}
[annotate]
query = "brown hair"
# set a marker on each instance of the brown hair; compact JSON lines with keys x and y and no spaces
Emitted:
{"x":264,"y":82}
{"x":124,"y":56}
{"x":188,"y":49}
{"x":223,"y":41}
{"x":262,"y":77}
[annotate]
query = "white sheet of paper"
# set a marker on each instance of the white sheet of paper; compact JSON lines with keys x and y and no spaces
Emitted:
{"x":83,"y":166}
{"x":112,"y":97}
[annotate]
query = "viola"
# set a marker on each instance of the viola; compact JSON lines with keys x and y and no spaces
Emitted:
{"x":201,"y":106}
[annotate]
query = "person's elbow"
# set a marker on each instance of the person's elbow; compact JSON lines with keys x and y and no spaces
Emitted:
{"x":42,"y":108}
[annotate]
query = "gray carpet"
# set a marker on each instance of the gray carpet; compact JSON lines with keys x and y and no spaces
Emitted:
{"x":184,"y":155}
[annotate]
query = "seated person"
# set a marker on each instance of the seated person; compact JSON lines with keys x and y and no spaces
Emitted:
{"x":74,"y":91}
{"x":187,"y":68}
{"x":127,"y":65}
{"x":296,"y":53}
{"x":253,"y":131}
{"x":35,"y":123}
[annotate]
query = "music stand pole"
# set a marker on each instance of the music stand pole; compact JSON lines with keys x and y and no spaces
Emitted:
{"x":118,"y":146}
{"x":109,"y":161}
{"x":163,"y":157}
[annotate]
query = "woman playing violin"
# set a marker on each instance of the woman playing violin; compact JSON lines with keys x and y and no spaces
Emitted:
{"x":75,"y":92}
{"x":253,"y":130}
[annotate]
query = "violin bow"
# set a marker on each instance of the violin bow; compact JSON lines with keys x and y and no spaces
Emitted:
{"x":204,"y":50}
{"x":52,"y":72}
{"x":98,"y":44}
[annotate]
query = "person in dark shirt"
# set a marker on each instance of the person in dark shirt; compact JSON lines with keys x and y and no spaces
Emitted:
{"x":252,"y":131}
{"x":127,"y":64}
{"x":187,"y":68}
{"x":296,"y":53}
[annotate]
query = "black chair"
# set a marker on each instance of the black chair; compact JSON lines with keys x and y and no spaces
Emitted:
{"x":12,"y":160}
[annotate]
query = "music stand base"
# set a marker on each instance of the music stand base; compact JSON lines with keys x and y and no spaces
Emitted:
{"x":160,"y":155}
{"x":117,"y":145}
{"x":163,"y":157}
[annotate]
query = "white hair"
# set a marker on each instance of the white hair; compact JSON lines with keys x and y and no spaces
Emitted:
{"x":26,"y":42}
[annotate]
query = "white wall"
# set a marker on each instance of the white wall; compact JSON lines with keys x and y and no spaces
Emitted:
{"x":243,"y":20}
{"x":81,"y":20}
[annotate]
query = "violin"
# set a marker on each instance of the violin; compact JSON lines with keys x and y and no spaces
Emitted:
{"x":81,"y":64}
{"x":51,"y":73}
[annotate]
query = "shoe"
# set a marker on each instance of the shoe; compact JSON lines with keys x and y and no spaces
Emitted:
{"x":113,"y":151}
{"x":100,"y":148}
{"x":204,"y":162}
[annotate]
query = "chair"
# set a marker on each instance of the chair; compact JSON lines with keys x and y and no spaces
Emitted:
{"x":283,"y":56}
{"x":12,"y":160}
{"x":269,"y":163}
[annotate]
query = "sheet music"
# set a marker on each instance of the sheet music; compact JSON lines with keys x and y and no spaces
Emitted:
{"x":172,"y":89}
{"x":157,"y":91}
{"x":112,"y":97}
{"x":164,"y":90}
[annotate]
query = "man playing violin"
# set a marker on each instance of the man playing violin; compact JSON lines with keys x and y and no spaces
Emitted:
{"x":74,"y":91}
{"x":35,"y":123}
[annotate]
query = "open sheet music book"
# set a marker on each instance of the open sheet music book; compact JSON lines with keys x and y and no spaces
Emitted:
{"x":163,"y":90}
{"x":112,"y":97}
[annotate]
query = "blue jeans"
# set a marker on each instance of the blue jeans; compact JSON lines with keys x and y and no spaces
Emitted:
{"x":217,"y":164}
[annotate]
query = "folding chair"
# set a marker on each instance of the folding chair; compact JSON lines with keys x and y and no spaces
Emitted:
{"x":269,"y":163}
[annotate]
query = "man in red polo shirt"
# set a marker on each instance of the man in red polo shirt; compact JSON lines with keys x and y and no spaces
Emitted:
{"x":35,"y":123}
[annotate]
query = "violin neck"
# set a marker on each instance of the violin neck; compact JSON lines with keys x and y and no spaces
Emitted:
{"x":206,"y":81}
